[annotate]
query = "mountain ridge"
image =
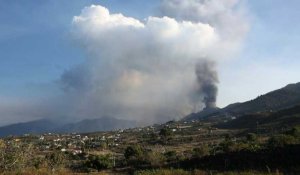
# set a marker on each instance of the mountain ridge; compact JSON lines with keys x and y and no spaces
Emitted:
{"x":42,"y":126}
{"x":275,"y":100}
{"x":278,"y":120}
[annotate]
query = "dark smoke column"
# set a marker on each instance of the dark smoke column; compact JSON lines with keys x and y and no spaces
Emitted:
{"x":207,"y":78}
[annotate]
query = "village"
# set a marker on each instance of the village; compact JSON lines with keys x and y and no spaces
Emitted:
{"x":114,"y":142}
{"x":174,"y":144}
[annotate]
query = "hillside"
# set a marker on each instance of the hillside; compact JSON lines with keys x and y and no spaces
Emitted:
{"x":279,"y":99}
{"x":45,"y":126}
{"x":285,"y":97}
{"x":279,"y":120}
{"x":205,"y":113}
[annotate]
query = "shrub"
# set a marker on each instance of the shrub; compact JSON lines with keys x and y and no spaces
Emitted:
{"x":201,"y":151}
{"x":155,"y":158}
{"x":15,"y":156}
{"x":171,"y":156}
{"x":227,"y":145}
{"x":281,"y":141}
{"x":251,"y":137}
{"x":295,"y":132}
{"x":133,"y":152}
{"x":56,"y":160}
{"x":99,"y":162}
{"x":135,"y":155}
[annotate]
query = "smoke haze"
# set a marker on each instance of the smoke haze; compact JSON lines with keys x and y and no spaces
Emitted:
{"x":150,"y":70}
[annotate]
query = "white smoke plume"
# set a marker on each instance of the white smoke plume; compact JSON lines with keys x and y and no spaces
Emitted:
{"x":150,"y":70}
{"x":227,"y":17}
{"x":145,"y":70}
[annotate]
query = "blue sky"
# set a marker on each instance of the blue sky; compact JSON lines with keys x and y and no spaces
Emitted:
{"x":36,"y":47}
{"x":270,"y":57}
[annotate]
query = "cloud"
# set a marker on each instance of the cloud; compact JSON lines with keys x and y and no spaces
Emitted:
{"x":228,"y":17}
{"x":143,"y":70}
{"x":150,"y":70}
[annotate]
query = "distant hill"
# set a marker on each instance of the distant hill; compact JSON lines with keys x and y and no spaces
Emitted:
{"x":269,"y":120}
{"x":33,"y":127}
{"x":45,"y":126}
{"x":205,"y":113}
{"x":285,"y":97}
{"x":276,"y":100}
{"x":101,"y":124}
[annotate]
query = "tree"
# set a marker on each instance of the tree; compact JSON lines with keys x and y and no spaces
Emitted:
{"x":135,"y":155}
{"x":99,"y":162}
{"x":133,"y":152}
{"x":165,"y":134}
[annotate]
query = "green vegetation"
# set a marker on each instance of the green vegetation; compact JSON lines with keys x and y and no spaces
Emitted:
{"x":99,"y":162}
{"x":197,"y":172}
{"x":190,"y":148}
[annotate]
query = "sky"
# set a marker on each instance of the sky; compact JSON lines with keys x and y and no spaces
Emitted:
{"x":38,"y":49}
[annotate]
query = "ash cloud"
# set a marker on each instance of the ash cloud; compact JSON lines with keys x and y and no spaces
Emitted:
{"x":207,"y":78}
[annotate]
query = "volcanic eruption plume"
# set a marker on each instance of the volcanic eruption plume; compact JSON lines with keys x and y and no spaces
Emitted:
{"x":151,"y":70}
{"x":207,"y":78}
